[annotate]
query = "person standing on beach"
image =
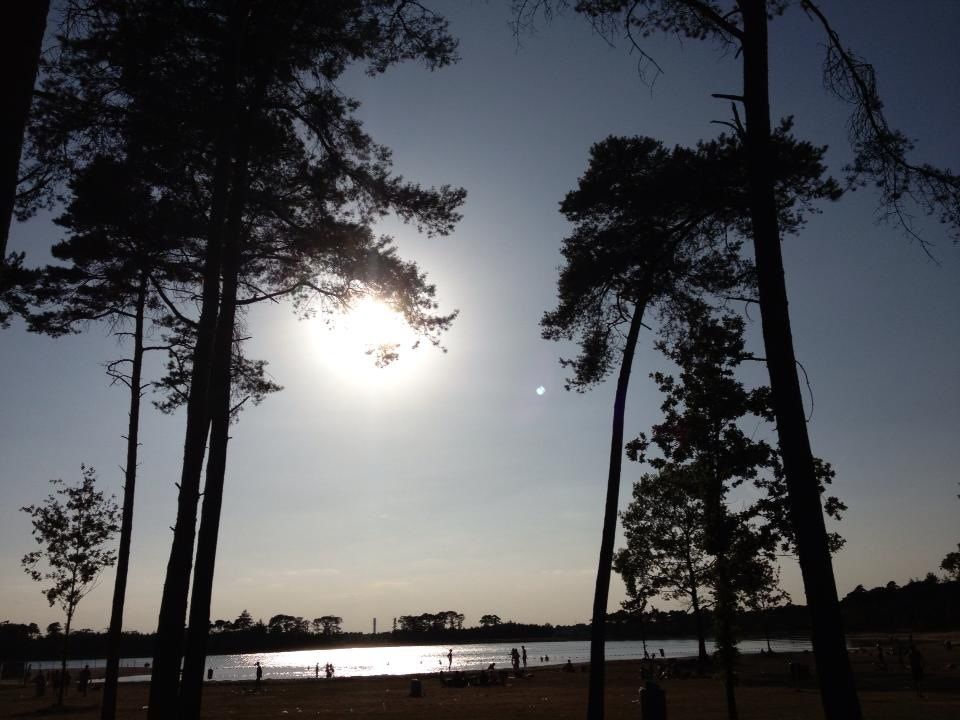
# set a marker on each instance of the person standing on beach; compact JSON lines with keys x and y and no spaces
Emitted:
{"x":523,"y":648}
{"x":450,"y":659}
{"x":916,"y":668}
{"x":259,"y":674}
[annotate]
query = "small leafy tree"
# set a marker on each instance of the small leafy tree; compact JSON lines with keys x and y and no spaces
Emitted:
{"x":641,"y":589}
{"x":488,"y":621}
{"x":765,"y":596}
{"x":702,"y":442}
{"x":72,"y":527}
{"x":664,"y":554}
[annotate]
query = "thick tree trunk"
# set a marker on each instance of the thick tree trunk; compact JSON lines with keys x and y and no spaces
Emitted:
{"x":595,"y":699}
{"x":168,"y":652}
{"x":108,"y":707}
{"x":21,"y":39}
{"x":191,"y":688}
{"x":837,"y":687}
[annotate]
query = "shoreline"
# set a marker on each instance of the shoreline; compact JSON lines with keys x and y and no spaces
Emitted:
{"x":651,"y":643}
{"x":765,"y":690}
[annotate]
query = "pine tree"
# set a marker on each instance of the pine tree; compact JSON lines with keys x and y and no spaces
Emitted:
{"x":881,"y":159}
{"x":655,"y":228}
{"x":255,"y":136}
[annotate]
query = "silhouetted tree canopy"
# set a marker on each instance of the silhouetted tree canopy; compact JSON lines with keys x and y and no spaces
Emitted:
{"x":881,"y":153}
{"x":240,"y":124}
{"x":658,"y":226}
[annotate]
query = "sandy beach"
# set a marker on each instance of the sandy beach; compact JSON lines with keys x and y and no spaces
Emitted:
{"x":765,"y":691}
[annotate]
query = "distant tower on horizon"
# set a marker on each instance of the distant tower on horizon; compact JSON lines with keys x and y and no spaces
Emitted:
{"x":374,"y":626}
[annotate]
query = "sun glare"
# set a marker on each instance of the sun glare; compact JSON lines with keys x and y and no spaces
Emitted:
{"x":353,"y":343}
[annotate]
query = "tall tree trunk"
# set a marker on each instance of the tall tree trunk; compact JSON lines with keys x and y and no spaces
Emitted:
{"x":837,"y":687}
{"x":191,"y":687}
{"x":601,"y":593}
{"x":108,"y":707}
{"x":21,"y":39}
{"x":168,"y":652}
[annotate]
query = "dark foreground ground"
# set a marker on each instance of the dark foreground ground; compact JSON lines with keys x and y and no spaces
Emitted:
{"x":765,"y":691}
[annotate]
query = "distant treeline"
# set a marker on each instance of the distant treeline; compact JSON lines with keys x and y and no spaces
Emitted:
{"x":920,"y":605}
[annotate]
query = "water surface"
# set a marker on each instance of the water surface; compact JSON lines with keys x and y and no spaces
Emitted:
{"x":416,"y":659}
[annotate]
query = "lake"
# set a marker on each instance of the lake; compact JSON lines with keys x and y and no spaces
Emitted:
{"x":413,"y":659}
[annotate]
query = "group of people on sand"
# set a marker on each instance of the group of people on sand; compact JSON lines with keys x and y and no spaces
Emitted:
{"x":518,"y":656}
{"x":327,"y":671}
{"x":56,"y":678}
{"x":907,"y":654}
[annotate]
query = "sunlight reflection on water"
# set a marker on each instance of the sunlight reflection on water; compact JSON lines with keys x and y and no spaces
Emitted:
{"x":425,"y":659}
{"x":415,"y":659}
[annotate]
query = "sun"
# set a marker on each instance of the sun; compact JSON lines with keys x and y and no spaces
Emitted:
{"x":371,"y":342}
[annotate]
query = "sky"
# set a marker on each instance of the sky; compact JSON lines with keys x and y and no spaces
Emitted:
{"x":446,"y":481}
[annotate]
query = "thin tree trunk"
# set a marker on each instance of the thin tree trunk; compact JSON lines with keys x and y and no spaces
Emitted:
{"x":21,"y":40}
{"x":191,"y":688}
{"x":595,"y":699}
{"x":837,"y":687}
{"x":702,"y":656}
{"x":724,"y":606}
{"x":63,"y":659}
{"x":643,"y":633}
{"x":168,"y":652}
{"x":108,"y":707}
{"x":725,"y":642}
